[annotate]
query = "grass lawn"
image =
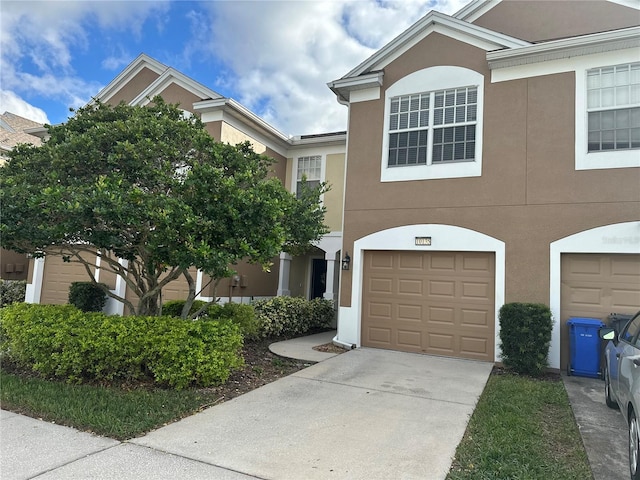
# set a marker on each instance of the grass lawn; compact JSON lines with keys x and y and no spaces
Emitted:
{"x":522,"y":428}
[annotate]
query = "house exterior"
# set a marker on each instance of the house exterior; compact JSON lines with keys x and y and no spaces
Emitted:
{"x":15,"y":130}
{"x":492,"y":157}
{"x":318,"y":157}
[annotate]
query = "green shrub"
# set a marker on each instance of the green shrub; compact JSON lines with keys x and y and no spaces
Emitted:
{"x":242,"y":315}
{"x":12,"y":291}
{"x":88,"y":296}
{"x":63,"y":342}
{"x":525,"y":336}
{"x":290,"y":316}
{"x":173,"y":308}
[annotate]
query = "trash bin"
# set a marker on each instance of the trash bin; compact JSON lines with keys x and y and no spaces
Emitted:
{"x":618,"y":321}
{"x":584,"y":347}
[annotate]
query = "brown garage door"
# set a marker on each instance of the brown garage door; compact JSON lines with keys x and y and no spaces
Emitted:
{"x":430,"y":302}
{"x":57,"y":278}
{"x":593,"y":286}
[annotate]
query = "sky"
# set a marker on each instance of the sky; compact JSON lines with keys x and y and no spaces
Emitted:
{"x":274,"y":57}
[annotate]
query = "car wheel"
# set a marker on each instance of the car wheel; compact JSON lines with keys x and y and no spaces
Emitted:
{"x":611,"y":403}
{"x":634,"y":446}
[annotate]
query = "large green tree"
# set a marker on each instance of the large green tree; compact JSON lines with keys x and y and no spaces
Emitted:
{"x":149,"y":185}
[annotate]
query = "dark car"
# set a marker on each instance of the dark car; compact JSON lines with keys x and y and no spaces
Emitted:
{"x":622,"y":382}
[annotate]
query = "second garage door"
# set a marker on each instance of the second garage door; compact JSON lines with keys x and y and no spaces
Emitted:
{"x":430,"y":302}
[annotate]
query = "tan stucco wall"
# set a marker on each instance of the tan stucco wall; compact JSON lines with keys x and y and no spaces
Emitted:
{"x":233,"y":136}
{"x":529,"y":194}
{"x":536,"y":20}
{"x":132,"y":89}
{"x":334,"y":197}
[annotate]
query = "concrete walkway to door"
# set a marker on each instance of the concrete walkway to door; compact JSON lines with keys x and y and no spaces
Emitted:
{"x":364,"y":414}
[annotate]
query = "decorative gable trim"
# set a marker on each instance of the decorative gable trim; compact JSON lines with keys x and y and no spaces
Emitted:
{"x":438,"y":22}
{"x":171,"y":76}
{"x":474,"y":10}
{"x":142,"y":61}
{"x":594,"y":43}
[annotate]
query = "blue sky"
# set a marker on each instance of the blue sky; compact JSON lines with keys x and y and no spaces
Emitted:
{"x":274,"y":57}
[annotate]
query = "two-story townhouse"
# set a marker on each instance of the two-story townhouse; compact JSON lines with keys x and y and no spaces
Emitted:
{"x":15,"y":130}
{"x":318,"y":158}
{"x":493,"y":156}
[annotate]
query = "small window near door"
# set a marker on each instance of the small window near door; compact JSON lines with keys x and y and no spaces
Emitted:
{"x":309,"y":171}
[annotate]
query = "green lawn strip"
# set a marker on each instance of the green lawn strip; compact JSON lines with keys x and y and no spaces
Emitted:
{"x":522,"y":428}
{"x":110,"y":411}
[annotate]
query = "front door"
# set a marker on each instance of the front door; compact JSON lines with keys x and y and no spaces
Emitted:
{"x":318,"y":277}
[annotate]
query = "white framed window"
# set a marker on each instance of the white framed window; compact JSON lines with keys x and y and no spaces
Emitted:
{"x":607,"y":110}
{"x":309,"y":169}
{"x":433,"y":125}
{"x":613,"y":107}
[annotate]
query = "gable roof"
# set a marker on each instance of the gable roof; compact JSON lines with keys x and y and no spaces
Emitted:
{"x":166,"y":76}
{"x":15,"y":130}
{"x":440,"y":23}
{"x":369,"y":73}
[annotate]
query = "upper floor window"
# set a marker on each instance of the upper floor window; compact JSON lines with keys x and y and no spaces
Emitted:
{"x":452,"y":136}
{"x":436,"y":130}
{"x":613,"y":107}
{"x":309,"y":170}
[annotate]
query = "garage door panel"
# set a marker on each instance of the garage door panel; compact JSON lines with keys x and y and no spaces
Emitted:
{"x":379,"y":335}
{"x":410,"y":313}
{"x":410,"y":339}
{"x":475,"y":291}
{"x":380,"y":310}
{"x":475,"y":318}
{"x":594,"y":285}
{"x":381,"y":285}
{"x":410,"y":287}
{"x":433,"y":308}
{"x":382,"y":261}
{"x":624,"y":299}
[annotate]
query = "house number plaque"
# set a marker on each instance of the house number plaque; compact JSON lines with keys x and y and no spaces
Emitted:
{"x":424,"y":241}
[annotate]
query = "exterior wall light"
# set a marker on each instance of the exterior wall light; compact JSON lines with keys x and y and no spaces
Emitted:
{"x":346,"y":260}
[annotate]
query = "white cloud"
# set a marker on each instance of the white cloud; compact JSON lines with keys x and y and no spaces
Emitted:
{"x":10,"y":102}
{"x":282,"y":54}
{"x":48,"y":34}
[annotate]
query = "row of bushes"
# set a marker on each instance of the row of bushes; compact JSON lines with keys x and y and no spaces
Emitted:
{"x":266,"y":318}
{"x":63,"y":342}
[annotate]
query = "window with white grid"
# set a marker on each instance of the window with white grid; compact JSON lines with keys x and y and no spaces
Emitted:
{"x":433,"y":127}
{"x":309,"y":170}
{"x":613,"y":107}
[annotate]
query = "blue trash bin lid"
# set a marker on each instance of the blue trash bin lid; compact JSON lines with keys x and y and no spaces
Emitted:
{"x":585,"y":322}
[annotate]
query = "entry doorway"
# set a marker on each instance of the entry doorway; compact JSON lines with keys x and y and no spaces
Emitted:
{"x":318,"y":278}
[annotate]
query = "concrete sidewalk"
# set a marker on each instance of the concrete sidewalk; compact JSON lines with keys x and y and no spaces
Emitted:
{"x":364,"y":414}
{"x":603,"y":430}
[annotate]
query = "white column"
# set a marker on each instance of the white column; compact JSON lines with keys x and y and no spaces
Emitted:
{"x":34,"y":289}
{"x":283,"y":274}
{"x":331,"y":265}
{"x":113,"y":306}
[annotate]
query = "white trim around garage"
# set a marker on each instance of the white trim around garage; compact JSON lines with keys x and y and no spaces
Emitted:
{"x":615,"y":238}
{"x":443,"y":238}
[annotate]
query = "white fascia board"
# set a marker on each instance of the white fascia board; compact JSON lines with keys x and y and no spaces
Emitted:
{"x":566,"y":48}
{"x":128,"y":73}
{"x":419,"y":30}
{"x":344,"y":86}
{"x":244,"y":120}
{"x":320,"y":141}
{"x":169,"y":77}
{"x":474,"y":10}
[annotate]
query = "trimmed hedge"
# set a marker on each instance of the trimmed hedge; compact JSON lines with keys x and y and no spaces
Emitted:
{"x":173,"y":308}
{"x":525,"y":335}
{"x":12,"y":291}
{"x":87,"y":296}
{"x":63,"y":342}
{"x":291,"y":316}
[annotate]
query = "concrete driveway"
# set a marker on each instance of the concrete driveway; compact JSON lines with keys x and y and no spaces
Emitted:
{"x":369,"y":414}
{"x":365,"y":414}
